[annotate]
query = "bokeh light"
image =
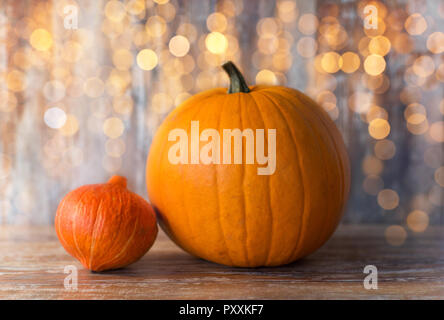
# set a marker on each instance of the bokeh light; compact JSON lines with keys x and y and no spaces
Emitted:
{"x":55,"y":118}
{"x":388,"y":199}
{"x":418,"y":221}
{"x":374,"y":64}
{"x":147,"y":59}
{"x":179,"y":46}
{"x":41,"y":39}
{"x":99,"y":93}
{"x":350,"y":62}
{"x":113,"y":127}
{"x":395,"y":235}
{"x":415,"y":24}
{"x":379,"y":128}
{"x":216,"y":42}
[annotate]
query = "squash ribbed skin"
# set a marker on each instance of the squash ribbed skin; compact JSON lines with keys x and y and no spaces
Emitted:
{"x":227,"y":213}
{"x":105,"y":226}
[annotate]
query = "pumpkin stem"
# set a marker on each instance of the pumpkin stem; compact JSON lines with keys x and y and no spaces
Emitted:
{"x":119,"y":180}
{"x":237,"y":81}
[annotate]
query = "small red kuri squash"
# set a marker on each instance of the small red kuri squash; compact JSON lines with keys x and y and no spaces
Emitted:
{"x":105,"y":226}
{"x":234,"y":214}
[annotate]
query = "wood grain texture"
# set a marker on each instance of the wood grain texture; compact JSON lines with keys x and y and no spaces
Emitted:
{"x":32,"y":267}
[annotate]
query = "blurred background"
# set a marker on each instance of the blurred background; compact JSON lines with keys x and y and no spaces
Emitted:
{"x":85,"y":84}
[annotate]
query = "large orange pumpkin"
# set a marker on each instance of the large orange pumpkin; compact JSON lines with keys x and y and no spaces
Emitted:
{"x":230,"y":214}
{"x":105,"y":226}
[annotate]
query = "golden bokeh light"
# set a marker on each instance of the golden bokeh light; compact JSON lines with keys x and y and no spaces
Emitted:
{"x":179,"y":46}
{"x":435,"y":42}
{"x":374,"y":64}
{"x":41,"y":39}
{"x":216,"y":43}
{"x":379,"y":129}
{"x":135,"y":7}
{"x":423,"y":66}
{"x":379,"y":45}
{"x":388,"y":199}
{"x":268,"y":27}
{"x":266,"y":77}
{"x":308,"y":24}
{"x":418,"y":221}
{"x":115,"y":10}
{"x":217,"y":22}
{"x":395,"y":235}
{"x":287,"y":11}
{"x":415,"y":24}
{"x":167,"y":11}
{"x":331,"y":62}
{"x":147,"y":59}
{"x":350,"y":62}
{"x":113,"y":127}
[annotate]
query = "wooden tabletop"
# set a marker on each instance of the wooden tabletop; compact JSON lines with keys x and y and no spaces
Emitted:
{"x":32,"y":266}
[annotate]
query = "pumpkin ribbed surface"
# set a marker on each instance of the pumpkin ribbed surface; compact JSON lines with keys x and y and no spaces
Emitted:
{"x":227,"y":213}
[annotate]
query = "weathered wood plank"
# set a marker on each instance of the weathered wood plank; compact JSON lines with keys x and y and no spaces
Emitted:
{"x":32,"y":267}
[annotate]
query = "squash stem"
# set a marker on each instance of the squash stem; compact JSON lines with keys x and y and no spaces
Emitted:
{"x":118,"y":180}
{"x":237,"y":81}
